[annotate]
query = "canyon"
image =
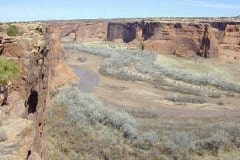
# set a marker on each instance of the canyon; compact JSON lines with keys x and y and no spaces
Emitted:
{"x":182,"y":38}
{"x":46,"y":64}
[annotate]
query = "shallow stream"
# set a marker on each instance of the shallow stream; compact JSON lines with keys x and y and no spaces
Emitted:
{"x":88,"y":79}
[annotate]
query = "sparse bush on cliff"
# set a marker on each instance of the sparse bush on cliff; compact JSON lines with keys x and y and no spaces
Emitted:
{"x":12,"y":30}
{"x":8,"y":70}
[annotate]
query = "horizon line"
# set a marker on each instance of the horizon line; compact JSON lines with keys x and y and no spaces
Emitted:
{"x":167,"y":17}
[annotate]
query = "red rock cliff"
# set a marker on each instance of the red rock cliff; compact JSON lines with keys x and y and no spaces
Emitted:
{"x":184,"y":38}
{"x":40,"y":56}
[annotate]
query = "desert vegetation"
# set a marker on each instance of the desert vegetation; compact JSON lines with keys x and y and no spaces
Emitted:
{"x":8,"y":70}
{"x":12,"y":30}
{"x":186,"y":98}
{"x":92,"y":129}
{"x":82,"y":127}
{"x":166,"y":72}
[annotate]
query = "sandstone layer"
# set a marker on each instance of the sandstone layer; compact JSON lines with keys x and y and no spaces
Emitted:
{"x":183,"y":38}
{"x":38,"y":52}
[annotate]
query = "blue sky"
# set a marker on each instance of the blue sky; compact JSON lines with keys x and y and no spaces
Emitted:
{"x":27,"y":10}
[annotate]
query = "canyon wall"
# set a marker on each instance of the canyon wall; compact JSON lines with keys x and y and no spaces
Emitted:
{"x":50,"y":71}
{"x":30,"y":51}
{"x":83,"y":31}
{"x":40,"y":56}
{"x":179,"y":38}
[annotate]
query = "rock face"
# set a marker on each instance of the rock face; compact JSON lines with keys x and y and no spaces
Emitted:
{"x":232,"y":36}
{"x":84,"y":31}
{"x":11,"y":47}
{"x":125,"y":32}
{"x":29,"y":51}
{"x":39,"y":54}
{"x":44,"y":77}
{"x":205,"y":44}
{"x":179,"y":38}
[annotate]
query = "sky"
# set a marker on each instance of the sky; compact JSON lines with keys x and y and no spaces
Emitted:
{"x":30,"y":10}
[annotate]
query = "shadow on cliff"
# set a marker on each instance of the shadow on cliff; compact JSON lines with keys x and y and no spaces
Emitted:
{"x":32,"y":101}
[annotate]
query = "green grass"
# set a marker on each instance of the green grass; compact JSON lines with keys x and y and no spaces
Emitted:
{"x":8,"y":70}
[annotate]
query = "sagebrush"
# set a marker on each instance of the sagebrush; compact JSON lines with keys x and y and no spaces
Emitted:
{"x":101,"y":128}
{"x":81,"y":126}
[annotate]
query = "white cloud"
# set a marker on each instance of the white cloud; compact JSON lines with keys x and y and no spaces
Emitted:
{"x":200,"y":3}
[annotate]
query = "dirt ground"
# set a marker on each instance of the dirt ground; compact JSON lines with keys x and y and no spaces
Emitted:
{"x":129,"y":95}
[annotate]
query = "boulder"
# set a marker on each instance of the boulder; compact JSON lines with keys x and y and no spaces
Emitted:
{"x":14,"y":126}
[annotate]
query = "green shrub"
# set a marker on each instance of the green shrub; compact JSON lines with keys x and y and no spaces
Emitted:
{"x":8,"y":70}
{"x":12,"y":30}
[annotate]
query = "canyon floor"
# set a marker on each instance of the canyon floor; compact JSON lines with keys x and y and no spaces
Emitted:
{"x":138,"y":95}
{"x":177,"y":117}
